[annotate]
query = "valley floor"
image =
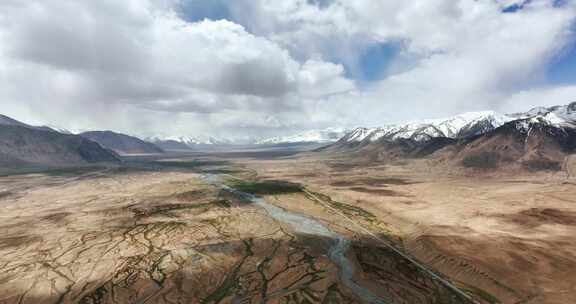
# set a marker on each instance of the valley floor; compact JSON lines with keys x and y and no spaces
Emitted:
{"x":509,"y":238}
{"x":188,"y":230}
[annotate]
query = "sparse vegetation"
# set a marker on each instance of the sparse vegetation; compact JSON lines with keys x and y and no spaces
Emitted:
{"x":482,"y":294}
{"x":367,"y":217}
{"x":352,"y":210}
{"x":266,"y":187}
{"x":542,"y":165}
{"x":166,"y":209}
{"x":191,"y":196}
{"x":484,"y":160}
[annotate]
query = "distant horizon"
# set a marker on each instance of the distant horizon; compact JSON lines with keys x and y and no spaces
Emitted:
{"x":251,"y":140}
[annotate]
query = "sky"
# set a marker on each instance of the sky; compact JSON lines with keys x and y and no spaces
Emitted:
{"x":259,"y":68}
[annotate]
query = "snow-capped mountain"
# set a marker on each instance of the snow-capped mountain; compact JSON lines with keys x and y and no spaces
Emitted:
{"x":557,"y":116}
{"x":312,"y":136}
{"x":208,"y":140}
{"x":536,"y":140}
{"x":458,"y":126}
{"x":191,"y":141}
{"x":187,"y":142}
{"x":463,"y":125}
{"x":359,"y":134}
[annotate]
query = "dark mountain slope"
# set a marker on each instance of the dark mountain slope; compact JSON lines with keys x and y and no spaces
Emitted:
{"x":121,"y":143}
{"x":532,"y":144}
{"x":169,"y":144}
{"x":7,"y":121}
{"x":21,"y":145}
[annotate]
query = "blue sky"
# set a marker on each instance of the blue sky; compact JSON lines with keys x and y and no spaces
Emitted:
{"x":375,"y":61}
{"x":562,"y":69}
{"x":196,"y":10}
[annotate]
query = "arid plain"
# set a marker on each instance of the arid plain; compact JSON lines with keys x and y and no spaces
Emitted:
{"x":270,"y":227}
{"x":509,"y":236}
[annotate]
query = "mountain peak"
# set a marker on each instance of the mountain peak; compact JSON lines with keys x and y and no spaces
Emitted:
{"x":461,"y":125}
{"x":311,"y":136}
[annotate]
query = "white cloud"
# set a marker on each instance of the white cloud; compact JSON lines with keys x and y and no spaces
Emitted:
{"x":137,"y":66}
{"x":546,"y":97}
{"x":114,"y":56}
{"x":468,"y":55}
{"x":319,"y":78}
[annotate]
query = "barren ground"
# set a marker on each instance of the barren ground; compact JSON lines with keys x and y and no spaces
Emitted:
{"x":163,"y":234}
{"x":509,"y":237}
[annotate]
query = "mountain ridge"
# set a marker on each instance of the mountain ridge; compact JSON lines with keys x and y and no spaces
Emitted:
{"x":539,"y":139}
{"x":122,"y":143}
{"x":310,"y":136}
{"x":22,"y":145}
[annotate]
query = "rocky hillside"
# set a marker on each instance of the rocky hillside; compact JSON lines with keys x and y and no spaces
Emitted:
{"x":22,"y":145}
{"x":8,"y":121}
{"x":171,"y":145}
{"x":539,"y":139}
{"x":532,"y":143}
{"x":459,"y":126}
{"x":121,"y":143}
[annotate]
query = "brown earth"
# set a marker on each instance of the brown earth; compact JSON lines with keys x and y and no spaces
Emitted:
{"x":503,"y":236}
{"x":166,"y":236}
{"x":126,"y":235}
{"x":152,"y":238}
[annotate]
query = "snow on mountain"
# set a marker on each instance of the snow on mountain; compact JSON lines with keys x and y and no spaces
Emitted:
{"x":557,"y":116}
{"x":359,"y":134}
{"x":209,"y":140}
{"x":463,"y":125}
{"x":189,"y":141}
{"x":311,"y":136}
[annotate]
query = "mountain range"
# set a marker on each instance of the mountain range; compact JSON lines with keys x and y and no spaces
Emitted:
{"x":22,"y":145}
{"x":187,"y":142}
{"x":311,"y":136}
{"x":539,"y":139}
{"x":122,"y":143}
{"x":459,"y":126}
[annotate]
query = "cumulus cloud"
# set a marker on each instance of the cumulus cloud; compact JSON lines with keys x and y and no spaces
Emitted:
{"x":114,"y":55}
{"x":466,"y":55}
{"x":142,"y":67}
{"x":546,"y":97}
